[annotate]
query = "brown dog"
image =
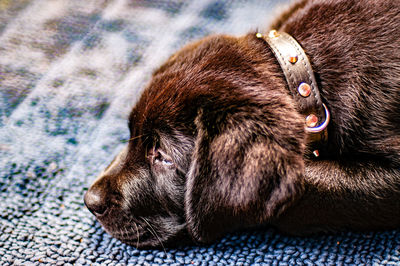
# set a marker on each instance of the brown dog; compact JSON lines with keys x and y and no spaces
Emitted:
{"x":218,"y":142}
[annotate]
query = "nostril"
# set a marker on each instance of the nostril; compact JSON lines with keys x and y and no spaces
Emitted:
{"x":95,"y":201}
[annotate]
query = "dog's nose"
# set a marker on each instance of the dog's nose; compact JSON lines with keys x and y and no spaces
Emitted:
{"x":95,"y":200}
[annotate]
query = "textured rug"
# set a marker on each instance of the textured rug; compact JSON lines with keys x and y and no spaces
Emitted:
{"x":70,"y":70}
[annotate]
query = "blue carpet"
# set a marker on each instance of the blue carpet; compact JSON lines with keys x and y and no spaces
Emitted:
{"x":70,"y":70}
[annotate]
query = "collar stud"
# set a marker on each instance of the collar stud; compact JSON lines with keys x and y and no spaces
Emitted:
{"x":304,"y":89}
{"x":293,"y":59}
{"x":273,"y":34}
{"x":311,"y":120}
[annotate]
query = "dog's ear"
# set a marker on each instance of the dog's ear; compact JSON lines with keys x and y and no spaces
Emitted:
{"x":246,"y":168}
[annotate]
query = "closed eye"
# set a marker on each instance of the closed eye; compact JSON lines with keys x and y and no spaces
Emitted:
{"x":165,"y":161}
{"x":159,"y":157}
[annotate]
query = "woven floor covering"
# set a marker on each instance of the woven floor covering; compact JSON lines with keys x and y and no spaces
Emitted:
{"x":70,"y":71}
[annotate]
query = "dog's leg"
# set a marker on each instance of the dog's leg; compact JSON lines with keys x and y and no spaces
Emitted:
{"x":345,"y":195}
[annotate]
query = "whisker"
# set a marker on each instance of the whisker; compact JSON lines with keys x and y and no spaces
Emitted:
{"x":146,"y":150}
{"x":124,"y":232}
{"x":124,"y":141}
{"x":147,"y":137}
{"x":150,"y":231}
{"x":154,"y":234}
{"x":138,"y":235}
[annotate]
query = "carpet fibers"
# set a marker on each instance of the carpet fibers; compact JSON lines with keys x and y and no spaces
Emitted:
{"x":70,"y":70}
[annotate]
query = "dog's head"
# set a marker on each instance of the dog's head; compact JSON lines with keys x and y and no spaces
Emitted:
{"x":216,"y":145}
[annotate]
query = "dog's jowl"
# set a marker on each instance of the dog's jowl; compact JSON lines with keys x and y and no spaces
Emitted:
{"x":296,"y":127}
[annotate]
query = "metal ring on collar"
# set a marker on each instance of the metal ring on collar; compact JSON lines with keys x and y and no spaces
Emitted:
{"x":323,"y":125}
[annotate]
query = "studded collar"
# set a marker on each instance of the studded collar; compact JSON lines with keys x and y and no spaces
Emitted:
{"x":302,"y":86}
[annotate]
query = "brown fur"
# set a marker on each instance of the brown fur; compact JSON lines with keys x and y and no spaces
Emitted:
{"x":217,"y":143}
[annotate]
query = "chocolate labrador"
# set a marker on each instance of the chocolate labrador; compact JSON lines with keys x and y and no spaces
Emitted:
{"x":297,"y":128}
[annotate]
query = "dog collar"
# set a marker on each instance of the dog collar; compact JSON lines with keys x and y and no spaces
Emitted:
{"x":302,"y":85}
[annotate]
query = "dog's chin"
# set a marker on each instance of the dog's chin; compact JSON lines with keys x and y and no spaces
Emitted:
{"x":146,"y":232}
